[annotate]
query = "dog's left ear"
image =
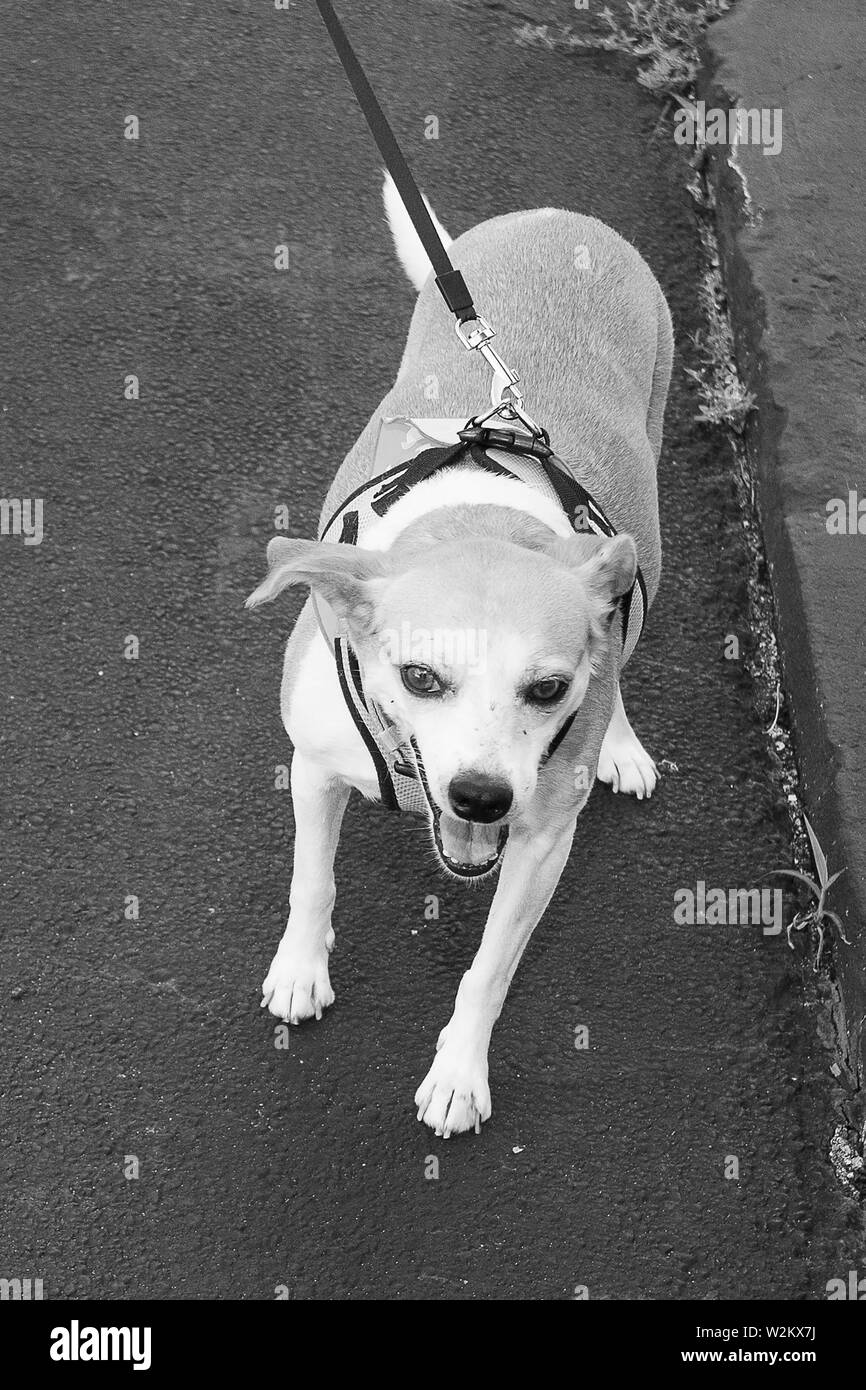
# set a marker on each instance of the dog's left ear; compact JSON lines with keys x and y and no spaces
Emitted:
{"x":342,"y":574}
{"x":606,"y":564}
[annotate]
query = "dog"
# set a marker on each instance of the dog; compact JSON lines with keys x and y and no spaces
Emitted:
{"x":507,"y":740}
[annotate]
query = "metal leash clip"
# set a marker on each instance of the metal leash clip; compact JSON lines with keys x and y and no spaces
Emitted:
{"x":505,"y":394}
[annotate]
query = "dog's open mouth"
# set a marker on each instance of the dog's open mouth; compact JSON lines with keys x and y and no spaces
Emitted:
{"x":468,"y":848}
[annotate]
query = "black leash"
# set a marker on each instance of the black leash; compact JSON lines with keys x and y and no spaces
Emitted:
{"x":450,"y":281}
{"x":506,"y":396}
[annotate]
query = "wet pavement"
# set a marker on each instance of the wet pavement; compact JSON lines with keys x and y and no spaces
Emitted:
{"x":302,"y":1168}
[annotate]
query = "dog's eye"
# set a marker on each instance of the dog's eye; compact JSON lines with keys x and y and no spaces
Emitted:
{"x":420,"y":680}
{"x":547,"y":691}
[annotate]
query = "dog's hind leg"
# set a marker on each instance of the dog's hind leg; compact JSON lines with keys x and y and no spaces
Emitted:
{"x":298,"y":985}
{"x":623,"y":761}
{"x":454,"y":1094}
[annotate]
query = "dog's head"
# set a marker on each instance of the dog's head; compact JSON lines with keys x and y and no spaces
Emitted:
{"x":479,"y":646}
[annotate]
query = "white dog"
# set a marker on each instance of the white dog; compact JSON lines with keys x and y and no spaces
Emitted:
{"x":461,"y":648}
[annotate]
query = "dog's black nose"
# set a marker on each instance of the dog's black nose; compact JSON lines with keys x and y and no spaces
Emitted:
{"x":476,"y":797}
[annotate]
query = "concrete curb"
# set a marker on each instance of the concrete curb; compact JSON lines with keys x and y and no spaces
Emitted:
{"x":791,"y":239}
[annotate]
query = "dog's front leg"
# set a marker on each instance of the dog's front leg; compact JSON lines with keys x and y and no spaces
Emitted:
{"x":298,"y":985}
{"x":455,"y":1095}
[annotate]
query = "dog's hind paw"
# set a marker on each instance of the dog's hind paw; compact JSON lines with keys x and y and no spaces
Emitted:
{"x":453,"y":1097}
{"x":625,"y":764}
{"x":297,"y":988}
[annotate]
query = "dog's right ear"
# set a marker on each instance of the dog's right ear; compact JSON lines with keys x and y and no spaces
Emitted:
{"x":342,"y":574}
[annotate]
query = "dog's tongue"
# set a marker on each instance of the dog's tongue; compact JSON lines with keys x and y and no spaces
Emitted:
{"x":468,"y":842}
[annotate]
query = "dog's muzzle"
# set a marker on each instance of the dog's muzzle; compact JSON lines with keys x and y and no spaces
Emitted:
{"x":469,"y":845}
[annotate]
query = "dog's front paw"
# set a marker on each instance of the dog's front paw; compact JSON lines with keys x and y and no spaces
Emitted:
{"x":454,"y":1095}
{"x":297,"y":987}
{"x":626,"y":765}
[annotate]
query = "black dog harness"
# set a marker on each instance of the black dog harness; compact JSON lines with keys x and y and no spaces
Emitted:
{"x":511,"y":454}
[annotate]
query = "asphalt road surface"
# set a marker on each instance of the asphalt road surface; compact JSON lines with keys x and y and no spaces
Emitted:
{"x":138,"y":1045}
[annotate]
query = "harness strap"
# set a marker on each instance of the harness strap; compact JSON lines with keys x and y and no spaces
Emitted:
{"x":452,"y":286}
{"x":558,"y":737}
{"x":344,"y":656}
{"x":397,"y":481}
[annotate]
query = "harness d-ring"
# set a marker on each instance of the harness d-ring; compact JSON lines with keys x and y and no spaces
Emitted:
{"x":505,"y":395}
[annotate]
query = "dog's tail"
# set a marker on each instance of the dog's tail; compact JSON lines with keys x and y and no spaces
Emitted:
{"x":410,"y":250}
